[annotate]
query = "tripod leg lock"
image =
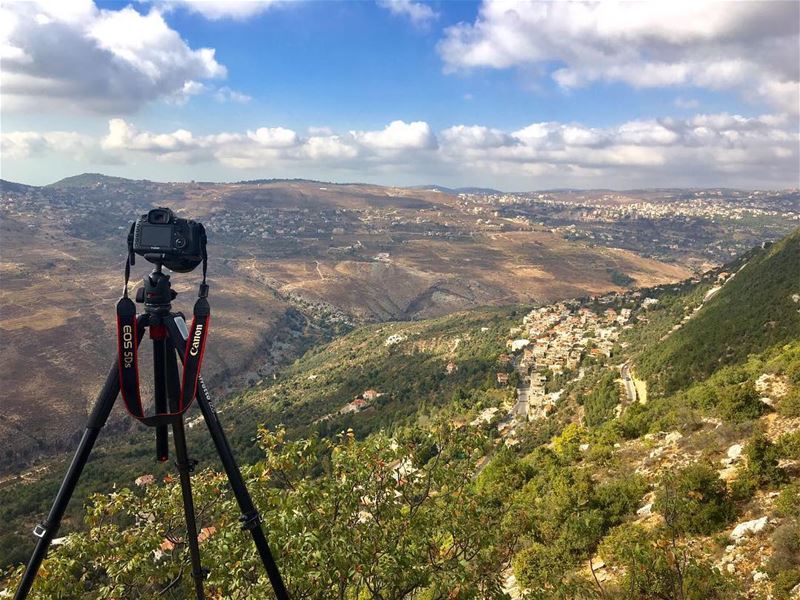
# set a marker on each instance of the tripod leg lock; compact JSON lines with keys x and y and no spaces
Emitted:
{"x":40,"y":530}
{"x":189,"y":465}
{"x":250,"y":520}
{"x":201,"y":574}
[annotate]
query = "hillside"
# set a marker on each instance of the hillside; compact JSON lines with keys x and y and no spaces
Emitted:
{"x":756,"y":308}
{"x":406,"y":437}
{"x":292,"y":263}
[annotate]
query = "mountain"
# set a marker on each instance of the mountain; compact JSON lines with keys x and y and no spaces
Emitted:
{"x":89,"y":180}
{"x":10,"y":186}
{"x":753,"y":306}
{"x":291,"y":263}
{"x":539,"y":466}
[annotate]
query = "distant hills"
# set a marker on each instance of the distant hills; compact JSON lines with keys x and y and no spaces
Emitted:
{"x":89,"y":179}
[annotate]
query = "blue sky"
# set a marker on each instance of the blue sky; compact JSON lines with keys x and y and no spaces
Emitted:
{"x":517,"y":95}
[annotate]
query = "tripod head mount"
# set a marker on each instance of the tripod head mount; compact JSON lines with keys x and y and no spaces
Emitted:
{"x":156,"y":294}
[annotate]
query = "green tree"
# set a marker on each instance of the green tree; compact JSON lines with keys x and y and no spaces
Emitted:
{"x":345,"y":519}
{"x":656,"y":566}
{"x":694,"y":500}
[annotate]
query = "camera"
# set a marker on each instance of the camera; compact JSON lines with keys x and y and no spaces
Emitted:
{"x":163,"y":238}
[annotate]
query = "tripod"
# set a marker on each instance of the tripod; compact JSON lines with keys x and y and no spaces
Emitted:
{"x":169,"y":334}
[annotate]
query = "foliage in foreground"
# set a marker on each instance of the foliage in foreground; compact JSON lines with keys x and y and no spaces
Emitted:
{"x":381,"y":518}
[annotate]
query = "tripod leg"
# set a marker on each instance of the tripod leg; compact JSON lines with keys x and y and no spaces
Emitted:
{"x":250,"y":518}
{"x":184,"y":469}
{"x":47,"y":530}
{"x":160,"y":395}
{"x":173,"y":392}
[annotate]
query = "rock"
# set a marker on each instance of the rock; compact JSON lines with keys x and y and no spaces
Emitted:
{"x":795,"y":591}
{"x":768,"y":401}
{"x":646,"y":510}
{"x":672,"y":437}
{"x":583,"y":447}
{"x":730,"y":568}
{"x":759,"y":576}
{"x":735,"y":451}
{"x":748,"y":527}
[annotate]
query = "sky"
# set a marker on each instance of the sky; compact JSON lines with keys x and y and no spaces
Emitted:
{"x":509,"y":95}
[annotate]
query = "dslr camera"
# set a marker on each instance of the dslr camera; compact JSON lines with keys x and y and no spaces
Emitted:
{"x":163,"y":238}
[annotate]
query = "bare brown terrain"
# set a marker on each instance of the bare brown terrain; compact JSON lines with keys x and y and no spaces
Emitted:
{"x":290,"y":262}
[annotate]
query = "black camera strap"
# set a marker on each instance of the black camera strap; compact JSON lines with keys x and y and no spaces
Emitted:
{"x":128,"y":345}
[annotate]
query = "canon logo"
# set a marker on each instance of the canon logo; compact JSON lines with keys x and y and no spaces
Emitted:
{"x":198,"y":332}
{"x":127,"y":346}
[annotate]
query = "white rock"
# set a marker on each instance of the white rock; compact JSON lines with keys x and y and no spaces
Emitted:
{"x":583,"y":447}
{"x":759,"y":576}
{"x":767,"y":400}
{"x":795,"y":591}
{"x":748,"y":527}
{"x":672,"y":437}
{"x":646,"y":510}
{"x":735,"y":451}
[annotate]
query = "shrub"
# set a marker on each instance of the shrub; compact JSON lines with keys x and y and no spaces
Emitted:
{"x":762,"y":461}
{"x":785,"y":549}
{"x":540,"y":566}
{"x":694,"y":500}
{"x":739,"y":402}
{"x":788,"y":502}
{"x":789,"y":406}
{"x":656,"y":568}
{"x":789,"y":445}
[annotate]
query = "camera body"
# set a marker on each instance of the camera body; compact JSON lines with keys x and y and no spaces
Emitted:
{"x":163,"y":238}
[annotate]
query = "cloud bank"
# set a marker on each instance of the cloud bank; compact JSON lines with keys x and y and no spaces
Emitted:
{"x":722,"y":148}
{"x":750,"y":47}
{"x":75,"y":56}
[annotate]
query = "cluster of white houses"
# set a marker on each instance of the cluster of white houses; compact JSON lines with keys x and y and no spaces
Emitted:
{"x":554,"y":339}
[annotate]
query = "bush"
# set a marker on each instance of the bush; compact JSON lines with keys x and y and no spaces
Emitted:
{"x":789,"y":445}
{"x":694,"y":500}
{"x":762,"y":461}
{"x":785,"y":549}
{"x":784,"y":582}
{"x":789,"y":406}
{"x":656,"y":568}
{"x":738,"y":403}
{"x":788,"y":502}
{"x":540,"y":566}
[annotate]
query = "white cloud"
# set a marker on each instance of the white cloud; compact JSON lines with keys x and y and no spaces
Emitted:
{"x":704,"y":149}
{"x":476,"y":136}
{"x":398,"y":135}
{"x":273,"y":137}
{"x":686,"y":103}
{"x":25,"y":144}
{"x":418,"y":13}
{"x":238,"y":10}
{"x":750,"y":47}
{"x":226,"y":94}
{"x":75,"y":56}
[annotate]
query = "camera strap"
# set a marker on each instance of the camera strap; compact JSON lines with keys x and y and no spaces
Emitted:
{"x":128,"y":344}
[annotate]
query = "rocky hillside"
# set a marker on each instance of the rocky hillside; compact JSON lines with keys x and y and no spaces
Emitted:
{"x":507,"y":454}
{"x":291,"y":263}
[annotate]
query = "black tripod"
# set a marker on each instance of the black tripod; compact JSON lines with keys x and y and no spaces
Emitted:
{"x":169,"y":334}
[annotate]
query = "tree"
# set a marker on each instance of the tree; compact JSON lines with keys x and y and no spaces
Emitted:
{"x":694,"y":500}
{"x":345,"y":519}
{"x":657,"y":566}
